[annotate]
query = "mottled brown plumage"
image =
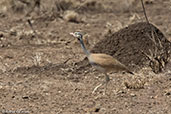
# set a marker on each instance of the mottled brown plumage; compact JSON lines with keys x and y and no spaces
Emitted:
{"x":107,"y":62}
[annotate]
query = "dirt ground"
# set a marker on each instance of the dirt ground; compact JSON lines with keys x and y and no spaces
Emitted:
{"x":38,"y":73}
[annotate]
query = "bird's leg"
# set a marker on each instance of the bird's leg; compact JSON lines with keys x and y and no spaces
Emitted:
{"x":105,"y":82}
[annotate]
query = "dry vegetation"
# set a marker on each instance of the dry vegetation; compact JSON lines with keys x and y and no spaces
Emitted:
{"x":43,"y":69}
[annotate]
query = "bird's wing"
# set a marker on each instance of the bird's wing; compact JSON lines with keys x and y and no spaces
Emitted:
{"x":107,"y":61}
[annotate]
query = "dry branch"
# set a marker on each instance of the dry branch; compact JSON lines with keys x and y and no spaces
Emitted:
{"x":144,"y":11}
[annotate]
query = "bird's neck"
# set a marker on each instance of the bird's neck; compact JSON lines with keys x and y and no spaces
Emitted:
{"x":84,"y":48}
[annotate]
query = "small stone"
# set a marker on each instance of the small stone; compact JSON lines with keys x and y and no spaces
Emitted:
{"x":168,"y":93}
{"x":133,"y":95}
{"x":1,"y":35}
{"x":25,"y":97}
{"x":97,"y":110}
{"x":13,"y":96}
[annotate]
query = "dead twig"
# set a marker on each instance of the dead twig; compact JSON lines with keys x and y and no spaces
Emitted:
{"x":31,"y":26}
{"x":66,"y":60}
{"x":145,"y":14}
{"x":144,"y":11}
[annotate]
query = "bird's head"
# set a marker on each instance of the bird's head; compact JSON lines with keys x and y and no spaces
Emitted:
{"x":77,"y":35}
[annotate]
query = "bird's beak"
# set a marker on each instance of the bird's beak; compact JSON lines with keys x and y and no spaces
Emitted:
{"x":71,"y":33}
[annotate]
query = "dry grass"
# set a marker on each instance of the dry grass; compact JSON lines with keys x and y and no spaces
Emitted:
{"x":37,"y":58}
{"x":71,"y":16}
{"x":137,"y":84}
{"x":140,"y":79}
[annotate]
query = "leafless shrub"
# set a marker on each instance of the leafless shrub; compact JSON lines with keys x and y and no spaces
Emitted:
{"x":158,"y":56}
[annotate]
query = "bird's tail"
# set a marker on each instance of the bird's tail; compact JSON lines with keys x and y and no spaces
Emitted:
{"x":128,"y":71}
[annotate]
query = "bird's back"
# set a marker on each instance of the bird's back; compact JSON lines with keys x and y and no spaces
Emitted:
{"x":107,"y":62}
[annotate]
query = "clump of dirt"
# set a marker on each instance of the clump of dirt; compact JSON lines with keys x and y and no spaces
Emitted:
{"x":138,"y":45}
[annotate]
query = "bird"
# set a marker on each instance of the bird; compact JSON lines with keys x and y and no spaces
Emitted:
{"x":101,"y":62}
